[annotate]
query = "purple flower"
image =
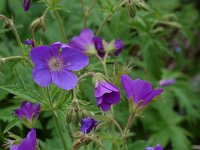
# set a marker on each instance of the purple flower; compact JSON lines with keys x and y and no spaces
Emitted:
{"x":88,"y":124}
{"x":106,"y":94}
{"x":166,"y":82}
{"x":98,"y":42}
{"x":119,"y":45}
{"x":28,"y":112}
{"x":29,"y":143}
{"x":30,"y":43}
{"x":141,"y":91}
{"x":84,"y":41}
{"x":55,"y":63}
{"x":27,"y":4}
{"x":157,"y":147}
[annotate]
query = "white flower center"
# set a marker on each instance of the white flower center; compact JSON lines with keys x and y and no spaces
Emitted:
{"x":55,"y":64}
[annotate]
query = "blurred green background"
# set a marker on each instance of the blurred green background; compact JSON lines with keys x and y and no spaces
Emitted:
{"x":161,"y":42}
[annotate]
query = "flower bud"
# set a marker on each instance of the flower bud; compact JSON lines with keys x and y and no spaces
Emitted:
{"x":38,"y":24}
{"x":131,"y":9}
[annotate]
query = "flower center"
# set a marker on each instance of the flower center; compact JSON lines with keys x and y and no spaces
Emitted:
{"x":55,"y":64}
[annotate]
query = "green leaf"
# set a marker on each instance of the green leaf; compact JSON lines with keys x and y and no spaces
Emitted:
{"x":10,"y":125}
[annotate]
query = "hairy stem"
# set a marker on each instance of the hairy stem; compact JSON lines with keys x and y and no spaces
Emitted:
{"x":130,"y":120}
{"x":60,"y":132}
{"x":16,"y":35}
{"x":57,"y":15}
{"x":10,"y":58}
{"x":120,"y":3}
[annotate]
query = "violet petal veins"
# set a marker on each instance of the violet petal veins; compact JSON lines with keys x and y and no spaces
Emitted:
{"x":140,"y":91}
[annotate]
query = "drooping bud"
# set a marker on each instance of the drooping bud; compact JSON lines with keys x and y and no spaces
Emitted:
{"x":131,"y":8}
{"x":27,"y":4}
{"x":38,"y":24}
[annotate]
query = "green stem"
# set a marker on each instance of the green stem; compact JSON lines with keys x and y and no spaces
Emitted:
{"x":10,"y":58}
{"x":103,"y":62}
{"x":130,"y":119}
{"x":121,"y":2}
{"x":17,"y":36}
{"x":86,"y":75}
{"x":87,"y":11}
{"x":58,"y":127}
{"x":57,"y":15}
{"x":60,"y":132}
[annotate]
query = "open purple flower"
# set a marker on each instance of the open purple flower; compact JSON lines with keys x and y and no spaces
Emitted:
{"x":141,"y":91}
{"x":29,"y":143}
{"x":157,"y":147}
{"x":119,"y":45}
{"x":98,"y":42}
{"x":84,"y":41}
{"x":166,"y":82}
{"x":55,"y":63}
{"x":27,"y":4}
{"x":88,"y":124}
{"x":28,"y":112}
{"x":106,"y":95}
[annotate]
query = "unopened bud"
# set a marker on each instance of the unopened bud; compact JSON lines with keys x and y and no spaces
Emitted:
{"x":38,"y":24}
{"x":131,"y":8}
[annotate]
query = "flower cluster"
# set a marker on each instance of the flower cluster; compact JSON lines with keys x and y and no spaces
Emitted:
{"x":89,"y":43}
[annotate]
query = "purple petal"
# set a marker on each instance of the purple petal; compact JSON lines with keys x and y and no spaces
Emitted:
{"x":81,"y":42}
{"x":73,"y":59}
{"x":149,"y":148}
{"x":14,"y":147}
{"x":141,"y":89}
{"x":100,"y":89}
{"x":166,"y":82}
{"x":87,"y":35}
{"x":30,"y":142}
{"x":64,"y":79}
{"x":158,"y":147}
{"x":111,"y":98}
{"x":119,"y":45}
{"x":127,"y":84}
{"x":41,"y":75}
{"x":105,"y":106}
{"x":40,"y":54}
{"x":153,"y":94}
{"x":88,"y":124}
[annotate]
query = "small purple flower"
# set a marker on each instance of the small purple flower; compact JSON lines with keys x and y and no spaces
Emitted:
{"x":157,"y":147}
{"x":27,"y":4}
{"x":141,"y":91}
{"x":29,"y":143}
{"x":83,"y":41}
{"x":166,"y":82}
{"x":28,"y":112}
{"x":30,"y":43}
{"x":119,"y":45}
{"x":98,"y":42}
{"x":55,"y":63}
{"x":106,"y":95}
{"x":88,"y":124}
